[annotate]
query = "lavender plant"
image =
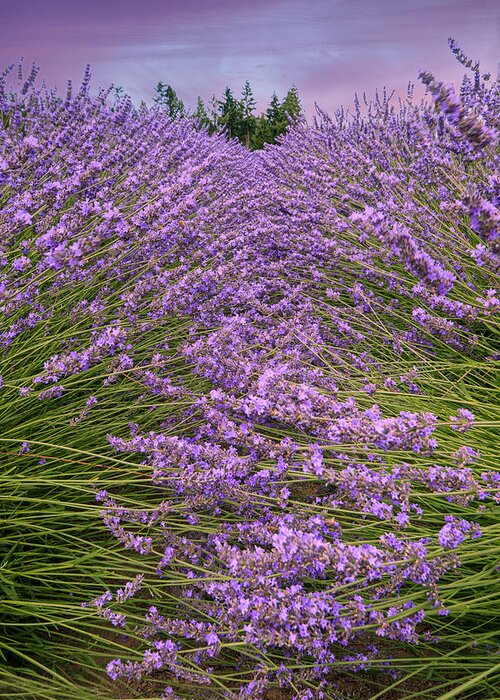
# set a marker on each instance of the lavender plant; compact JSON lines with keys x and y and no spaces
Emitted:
{"x":273,"y":375}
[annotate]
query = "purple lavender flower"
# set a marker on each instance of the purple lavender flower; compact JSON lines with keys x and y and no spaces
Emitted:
{"x":454,"y":532}
{"x":25,"y":448}
{"x":463,"y":421}
{"x":234,"y":327}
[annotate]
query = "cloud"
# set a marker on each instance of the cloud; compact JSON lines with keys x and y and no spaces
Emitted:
{"x":328,"y":48}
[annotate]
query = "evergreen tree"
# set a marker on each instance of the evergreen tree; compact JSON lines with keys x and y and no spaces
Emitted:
{"x":274,"y":119}
{"x":291,"y":104}
{"x":201,"y":115}
{"x":279,"y":114}
{"x":214,"y":116}
{"x":166,"y":97}
{"x":262,"y":133}
{"x":236,"y":117}
{"x":248,"y":120}
{"x":231,"y":114}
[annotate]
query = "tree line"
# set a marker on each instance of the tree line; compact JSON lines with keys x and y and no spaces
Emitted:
{"x":236,"y":116}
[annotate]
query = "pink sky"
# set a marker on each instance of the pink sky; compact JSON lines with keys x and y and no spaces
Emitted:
{"x":328,"y":48}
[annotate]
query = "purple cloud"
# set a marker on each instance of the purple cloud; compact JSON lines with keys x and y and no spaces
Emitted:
{"x":328,"y":48}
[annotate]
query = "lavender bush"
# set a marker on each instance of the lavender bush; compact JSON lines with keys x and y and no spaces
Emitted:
{"x":273,"y":375}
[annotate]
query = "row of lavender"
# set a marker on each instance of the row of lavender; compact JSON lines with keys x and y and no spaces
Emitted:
{"x":294,"y":352}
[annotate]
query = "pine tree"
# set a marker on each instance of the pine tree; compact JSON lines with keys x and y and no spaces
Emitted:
{"x":248,"y":120}
{"x":213,"y":115}
{"x":262,"y":133}
{"x":274,"y":118}
{"x":280,"y":114}
{"x":201,"y":116}
{"x":166,"y":97}
{"x":236,"y":117}
{"x":231,"y":113}
{"x":291,"y":105}
{"x":273,"y":111}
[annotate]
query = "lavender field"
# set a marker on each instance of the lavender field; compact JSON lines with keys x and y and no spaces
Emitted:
{"x":250,"y":417}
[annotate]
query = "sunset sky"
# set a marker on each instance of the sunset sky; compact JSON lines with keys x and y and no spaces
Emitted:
{"x":328,"y":48}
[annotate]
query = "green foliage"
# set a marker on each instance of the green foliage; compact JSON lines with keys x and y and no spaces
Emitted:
{"x":279,"y":114}
{"x":231,"y":114}
{"x":236,"y":117}
{"x":166,"y":97}
{"x":262,"y":133}
{"x":291,"y":105}
{"x":248,"y":120}
{"x":201,"y":115}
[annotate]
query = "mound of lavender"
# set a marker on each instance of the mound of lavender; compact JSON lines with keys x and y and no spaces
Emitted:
{"x":295,"y":352}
